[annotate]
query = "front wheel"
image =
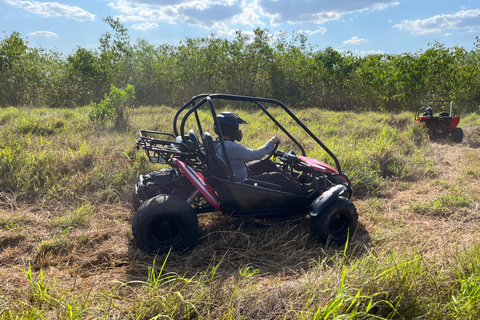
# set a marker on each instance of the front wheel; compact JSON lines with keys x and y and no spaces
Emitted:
{"x":336,"y":223}
{"x":165,"y":222}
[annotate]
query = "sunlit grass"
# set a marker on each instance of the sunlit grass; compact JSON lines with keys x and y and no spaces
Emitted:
{"x":377,"y":285}
{"x":74,"y":217}
{"x":60,"y":154}
{"x":13,"y":222}
{"x":56,"y":162}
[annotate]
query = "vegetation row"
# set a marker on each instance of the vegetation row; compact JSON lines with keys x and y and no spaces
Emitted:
{"x":281,"y":67}
{"x":61,"y":153}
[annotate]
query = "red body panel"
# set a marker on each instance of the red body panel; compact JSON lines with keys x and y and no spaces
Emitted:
{"x":199,"y":182}
{"x":454,"y":123}
{"x":318,"y":165}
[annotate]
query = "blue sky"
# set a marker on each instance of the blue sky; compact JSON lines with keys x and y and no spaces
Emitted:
{"x":362,"y":27}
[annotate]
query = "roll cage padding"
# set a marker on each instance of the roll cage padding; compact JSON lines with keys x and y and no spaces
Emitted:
{"x":215,"y":164}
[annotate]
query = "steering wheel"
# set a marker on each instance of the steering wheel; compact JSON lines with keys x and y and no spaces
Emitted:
{"x":271,"y":153}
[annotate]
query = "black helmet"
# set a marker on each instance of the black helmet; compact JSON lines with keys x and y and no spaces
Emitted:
{"x":428,"y":112}
{"x":229,"y":123}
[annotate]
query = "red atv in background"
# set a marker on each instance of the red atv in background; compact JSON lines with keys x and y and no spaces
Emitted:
{"x":443,"y":125}
{"x":198,"y":180}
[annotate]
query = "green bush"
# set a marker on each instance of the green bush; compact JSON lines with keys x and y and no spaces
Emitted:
{"x":115,"y":107}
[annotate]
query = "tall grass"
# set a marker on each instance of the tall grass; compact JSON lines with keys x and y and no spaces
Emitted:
{"x":389,"y":285}
{"x":67,"y":251}
{"x":59,"y":154}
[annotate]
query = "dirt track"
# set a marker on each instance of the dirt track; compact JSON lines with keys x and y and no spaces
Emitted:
{"x":393,"y":221}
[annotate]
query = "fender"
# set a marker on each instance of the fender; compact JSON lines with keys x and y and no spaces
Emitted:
{"x":197,"y":179}
{"x":454,"y":123}
{"x":325,"y":199}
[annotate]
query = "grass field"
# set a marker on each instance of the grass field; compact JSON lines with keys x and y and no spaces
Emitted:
{"x":66,"y":249}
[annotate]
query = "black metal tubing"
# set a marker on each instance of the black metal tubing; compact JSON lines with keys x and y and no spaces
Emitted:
{"x":423,"y":107}
{"x":185,"y":106}
{"x":281,"y":127}
{"x":193,"y":109}
{"x":143,"y":136}
{"x":255,"y":100}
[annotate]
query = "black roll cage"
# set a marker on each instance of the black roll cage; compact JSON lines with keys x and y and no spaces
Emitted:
{"x":208,"y":98}
{"x":442,"y":105}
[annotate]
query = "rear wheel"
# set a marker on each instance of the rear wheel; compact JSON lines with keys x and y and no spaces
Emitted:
{"x":336,"y":223}
{"x":457,"y":135}
{"x":165,"y":222}
{"x":138,"y":200}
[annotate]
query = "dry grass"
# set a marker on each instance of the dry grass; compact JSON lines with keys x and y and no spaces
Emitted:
{"x":400,"y":227}
{"x":244,"y":268}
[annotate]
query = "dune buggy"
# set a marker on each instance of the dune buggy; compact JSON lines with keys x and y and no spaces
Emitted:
{"x":197,"y":180}
{"x":442,"y":125}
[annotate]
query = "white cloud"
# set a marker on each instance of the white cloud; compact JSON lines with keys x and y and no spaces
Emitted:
{"x":369,"y":52}
{"x":208,"y":15}
{"x":233,"y":33}
{"x":159,"y":3}
{"x":52,"y":9}
{"x":300,"y":11}
{"x":248,"y":16}
{"x":226,"y":32}
{"x":46,"y":34}
{"x":355,"y":40}
{"x":361,"y":53}
{"x":224,"y":14}
{"x":145,"y":26}
{"x":320,"y":30}
{"x":211,"y":14}
{"x":143,"y":13}
{"x":467,"y":19}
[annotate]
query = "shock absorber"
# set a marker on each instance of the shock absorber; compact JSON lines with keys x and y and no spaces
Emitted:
{"x":195,"y":194}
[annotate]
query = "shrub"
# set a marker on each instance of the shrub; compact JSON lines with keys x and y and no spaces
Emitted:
{"x":115,"y":107}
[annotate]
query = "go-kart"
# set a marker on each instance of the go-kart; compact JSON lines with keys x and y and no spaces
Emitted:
{"x":442,"y":125}
{"x":197,"y":180}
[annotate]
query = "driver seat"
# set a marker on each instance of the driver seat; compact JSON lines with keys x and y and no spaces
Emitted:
{"x":215,"y":164}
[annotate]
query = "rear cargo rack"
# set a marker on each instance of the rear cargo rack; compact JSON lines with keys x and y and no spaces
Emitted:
{"x":160,"y":147}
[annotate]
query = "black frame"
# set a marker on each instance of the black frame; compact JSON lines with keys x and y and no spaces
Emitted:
{"x":440,"y":105}
{"x":245,"y":199}
{"x":208,"y":98}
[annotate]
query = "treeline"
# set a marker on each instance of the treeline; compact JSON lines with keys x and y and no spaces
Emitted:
{"x":284,"y":68}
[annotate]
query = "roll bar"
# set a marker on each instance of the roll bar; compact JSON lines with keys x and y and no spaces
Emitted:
{"x":192,"y":105}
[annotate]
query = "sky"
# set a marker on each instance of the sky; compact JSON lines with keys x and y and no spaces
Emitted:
{"x":358,"y":26}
